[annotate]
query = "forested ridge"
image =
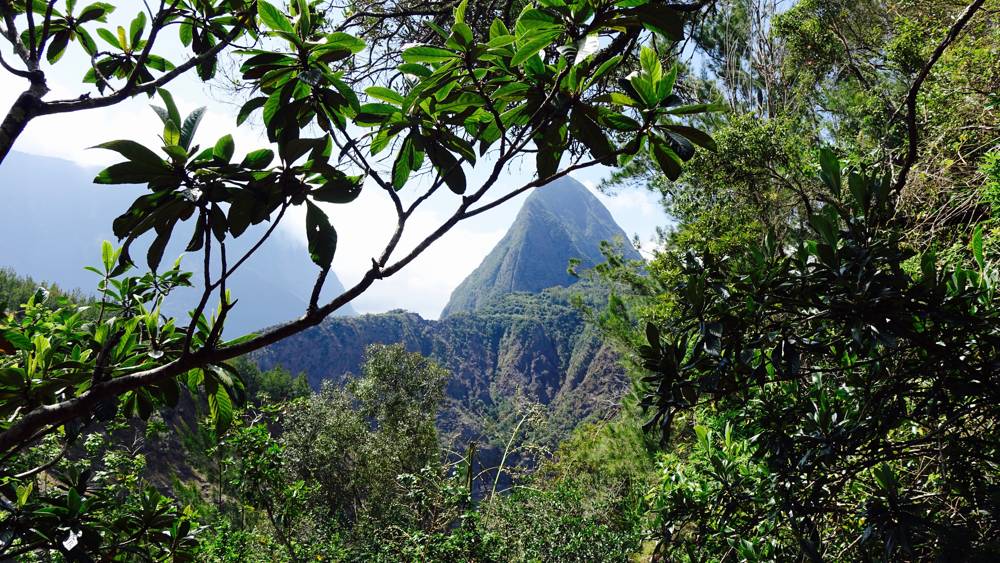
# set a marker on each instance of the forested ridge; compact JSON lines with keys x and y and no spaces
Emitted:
{"x":804,"y":367}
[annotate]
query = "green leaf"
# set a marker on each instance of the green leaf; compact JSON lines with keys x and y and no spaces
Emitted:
{"x":461,"y":37}
{"x":108,"y":255}
{"x":190,"y":126}
{"x":427,"y":54}
{"x":385,"y":94}
{"x":343,"y":189}
{"x":94,"y":12}
{"x":535,"y":43}
{"x":273,"y":18}
{"x":533,"y":19}
{"x":603,"y":69}
{"x":157,"y":62}
{"x":73,"y":502}
{"x":830,"y":170}
{"x":86,"y":41}
{"x":172,"y":113}
{"x":703,"y":434}
{"x":272,"y":105}
{"x":346,"y":41}
{"x":305,"y":22}
{"x":375,"y":114}
{"x":186,"y":33}
{"x":977,"y":248}
{"x":109,"y":37}
{"x":16,"y":339}
{"x":551,"y":143}
{"x":224,"y":148}
{"x":414,"y":69}
{"x":154,"y":254}
{"x":23,"y":492}
{"x":136,"y":28}
{"x":128,"y":173}
{"x":258,"y":159}
{"x":696,"y":136}
{"x":666,"y":86}
{"x":501,"y":41}
{"x":497,"y":29}
{"x":321,"y":236}
{"x":650,"y":62}
{"x":590,"y":134}
{"x":666,"y":158}
{"x":662,"y":20}
{"x":248,"y":108}
{"x":404,"y":163}
{"x":619,"y":121}
{"x":645,"y":89}
{"x":460,"y":11}
{"x":171,"y":134}
{"x":57,"y":46}
{"x":176,"y":152}
{"x":448,"y":167}
{"x":694,"y":108}
{"x":618,"y":99}
{"x":134,"y":152}
{"x":220,"y":407}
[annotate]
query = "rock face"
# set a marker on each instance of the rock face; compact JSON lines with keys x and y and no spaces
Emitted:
{"x":558,"y":222}
{"x":55,"y":218}
{"x":529,"y":346}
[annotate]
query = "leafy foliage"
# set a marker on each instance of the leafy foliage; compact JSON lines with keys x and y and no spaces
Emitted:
{"x":859,"y":397}
{"x":501,"y":91}
{"x":359,"y":473}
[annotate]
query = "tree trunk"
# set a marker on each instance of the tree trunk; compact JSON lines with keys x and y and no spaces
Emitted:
{"x":24,"y":109}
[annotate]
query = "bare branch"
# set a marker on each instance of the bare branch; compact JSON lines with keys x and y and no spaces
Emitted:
{"x":45,"y":28}
{"x":10,"y":32}
{"x":17,"y":72}
{"x":913,"y":137}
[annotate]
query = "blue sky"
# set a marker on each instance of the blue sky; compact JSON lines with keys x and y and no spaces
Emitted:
{"x":364,"y":226}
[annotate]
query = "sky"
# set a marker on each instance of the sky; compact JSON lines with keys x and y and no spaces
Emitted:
{"x":364,"y":225}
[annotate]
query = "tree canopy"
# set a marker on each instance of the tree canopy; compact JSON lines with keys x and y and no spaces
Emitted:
{"x":538,"y":89}
{"x":812,"y":343}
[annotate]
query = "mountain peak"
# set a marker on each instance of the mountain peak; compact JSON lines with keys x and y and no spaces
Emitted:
{"x":564,"y":192}
{"x":558,"y":222}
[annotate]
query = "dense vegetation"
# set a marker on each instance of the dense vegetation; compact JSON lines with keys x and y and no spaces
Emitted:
{"x":813,"y":346}
{"x":816,"y":340}
{"x":518,"y":354}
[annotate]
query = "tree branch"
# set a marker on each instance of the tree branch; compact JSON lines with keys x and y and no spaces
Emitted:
{"x":65,"y":106}
{"x":912,"y":134}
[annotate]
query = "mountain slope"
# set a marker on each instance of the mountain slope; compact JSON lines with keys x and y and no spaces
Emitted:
{"x":558,"y":222}
{"x":55,"y":219}
{"x":519,"y":347}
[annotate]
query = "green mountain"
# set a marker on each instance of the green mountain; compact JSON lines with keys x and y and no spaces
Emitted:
{"x":510,"y":333}
{"x":558,"y":222}
{"x":519,"y":347}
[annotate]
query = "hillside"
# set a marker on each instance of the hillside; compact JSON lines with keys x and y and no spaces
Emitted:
{"x":558,"y":222}
{"x":520,"y":347}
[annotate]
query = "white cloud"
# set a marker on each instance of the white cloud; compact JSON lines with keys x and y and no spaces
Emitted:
{"x":364,"y":226}
{"x":637,"y":211}
{"x":69,"y":136}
